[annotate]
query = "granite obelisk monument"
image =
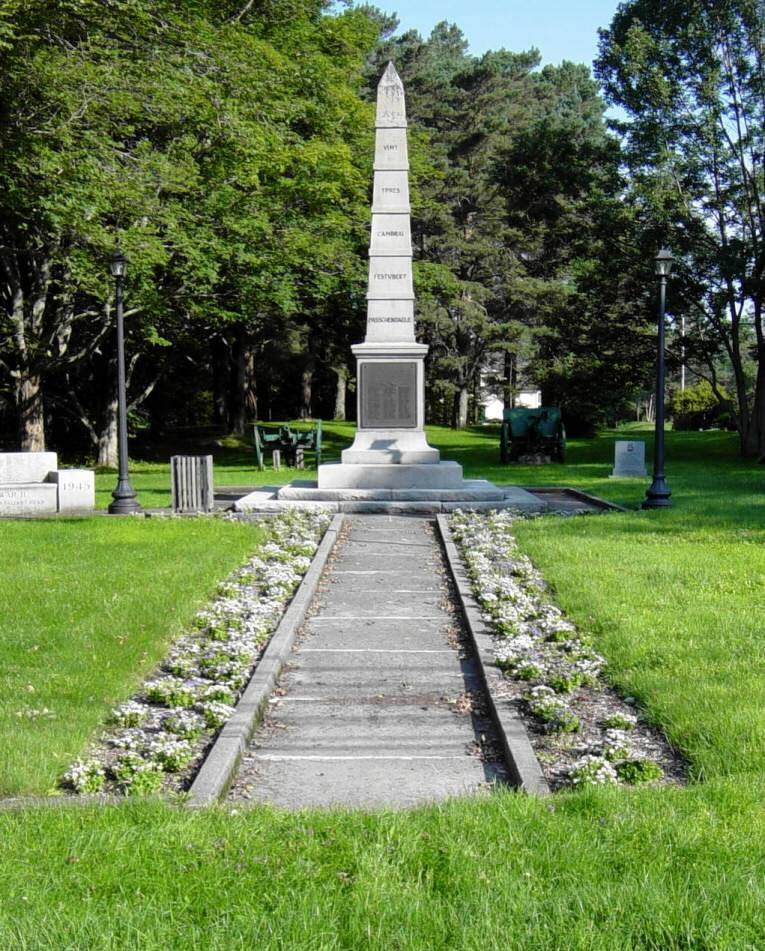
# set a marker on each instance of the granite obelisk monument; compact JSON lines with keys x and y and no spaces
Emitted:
{"x":390,"y":449}
{"x":390,"y":467}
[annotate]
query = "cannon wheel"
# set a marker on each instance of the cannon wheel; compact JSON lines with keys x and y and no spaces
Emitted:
{"x":504,"y":455}
{"x":560,"y":445}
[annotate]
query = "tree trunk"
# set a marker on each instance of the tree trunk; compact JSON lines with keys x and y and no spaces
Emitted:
{"x":511,"y":380}
{"x":464,"y":402}
{"x":754,"y":443}
{"x":306,"y":387}
{"x":244,"y":400}
{"x":106,"y":446}
{"x":340,"y":392}
{"x":31,"y":413}
{"x":221,"y":374}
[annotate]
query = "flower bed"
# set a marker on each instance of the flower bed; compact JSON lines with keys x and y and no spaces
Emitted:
{"x":157,"y":739}
{"x":583,"y":733}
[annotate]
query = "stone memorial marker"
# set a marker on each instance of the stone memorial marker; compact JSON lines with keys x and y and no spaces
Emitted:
{"x":32,"y":484}
{"x":390,"y":467}
{"x":76,"y":490}
{"x":391,"y":390}
{"x":629,"y":460}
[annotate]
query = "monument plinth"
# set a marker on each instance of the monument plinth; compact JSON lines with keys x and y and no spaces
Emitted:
{"x":390,"y":363}
{"x":390,"y":467}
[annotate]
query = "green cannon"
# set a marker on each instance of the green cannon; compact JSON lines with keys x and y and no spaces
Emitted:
{"x":531,"y":432}
{"x":287,"y":441}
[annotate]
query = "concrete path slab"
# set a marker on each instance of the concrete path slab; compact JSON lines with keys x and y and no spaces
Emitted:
{"x":378,"y":634}
{"x":367,"y":713}
{"x":354,"y":782}
{"x":354,"y":602}
{"x":389,"y":580}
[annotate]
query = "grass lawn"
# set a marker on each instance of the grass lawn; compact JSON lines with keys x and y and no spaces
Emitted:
{"x":87,"y":607}
{"x":675,"y":600}
{"x":477,"y":449}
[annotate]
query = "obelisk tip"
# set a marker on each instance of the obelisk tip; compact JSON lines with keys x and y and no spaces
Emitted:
{"x":391,"y":76}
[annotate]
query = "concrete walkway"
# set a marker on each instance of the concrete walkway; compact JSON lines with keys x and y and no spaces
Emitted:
{"x":380,"y":704}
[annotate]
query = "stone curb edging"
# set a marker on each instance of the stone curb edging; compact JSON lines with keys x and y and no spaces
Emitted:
{"x":521,"y":759}
{"x":602,"y":505}
{"x":68,"y":801}
{"x":217,"y":770}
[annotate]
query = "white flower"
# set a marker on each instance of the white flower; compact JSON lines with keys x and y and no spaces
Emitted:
{"x":591,"y":770}
{"x":130,"y":714}
{"x":209,"y":663}
{"x":621,"y":721}
{"x":85,"y":776}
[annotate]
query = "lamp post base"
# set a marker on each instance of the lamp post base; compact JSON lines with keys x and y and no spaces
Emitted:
{"x":125,"y":502}
{"x":657,"y":496}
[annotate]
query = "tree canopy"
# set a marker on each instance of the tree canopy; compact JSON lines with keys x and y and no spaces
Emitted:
{"x":690,"y":78}
{"x":228,"y":148}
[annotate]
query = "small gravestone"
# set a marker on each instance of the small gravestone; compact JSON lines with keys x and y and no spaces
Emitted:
{"x":300,"y":458}
{"x":276,"y":459}
{"x":76,"y":489}
{"x":629,"y":460}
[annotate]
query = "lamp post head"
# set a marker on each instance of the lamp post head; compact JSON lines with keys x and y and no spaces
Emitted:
{"x":663,"y":263}
{"x":118,"y":264}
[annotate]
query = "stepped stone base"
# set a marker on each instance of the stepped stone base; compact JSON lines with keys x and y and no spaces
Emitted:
{"x":389,"y":447}
{"x":474,"y":490}
{"x":476,"y":495}
{"x":442,"y":475}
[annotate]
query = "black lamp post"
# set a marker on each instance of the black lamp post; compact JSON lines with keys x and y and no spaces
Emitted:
{"x":125,"y":502}
{"x":657,"y":496}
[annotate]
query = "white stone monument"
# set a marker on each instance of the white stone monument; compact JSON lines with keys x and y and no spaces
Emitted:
{"x":629,"y":460}
{"x":32,"y":484}
{"x":390,"y":450}
{"x":390,"y":467}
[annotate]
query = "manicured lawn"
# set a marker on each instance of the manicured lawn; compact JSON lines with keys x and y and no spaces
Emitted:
{"x":695,"y":458}
{"x":87,"y":606}
{"x":674,"y":599}
{"x":600,"y":871}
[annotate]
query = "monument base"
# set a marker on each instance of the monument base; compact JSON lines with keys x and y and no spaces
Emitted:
{"x":390,"y":447}
{"x":472,"y":494}
{"x":379,"y":475}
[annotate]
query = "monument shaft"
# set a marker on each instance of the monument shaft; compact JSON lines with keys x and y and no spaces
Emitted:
{"x":391,"y":379}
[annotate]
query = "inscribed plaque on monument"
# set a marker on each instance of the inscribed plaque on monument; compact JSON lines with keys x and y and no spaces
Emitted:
{"x":388,"y":395}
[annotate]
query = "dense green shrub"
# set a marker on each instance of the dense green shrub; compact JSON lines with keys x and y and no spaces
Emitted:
{"x":697,"y":407}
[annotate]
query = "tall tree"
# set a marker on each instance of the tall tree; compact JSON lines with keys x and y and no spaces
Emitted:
{"x":220,"y":140}
{"x":578,"y":278}
{"x":516,"y":204}
{"x":690,"y":76}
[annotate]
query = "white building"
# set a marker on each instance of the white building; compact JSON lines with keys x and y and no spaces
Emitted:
{"x":494,"y":406}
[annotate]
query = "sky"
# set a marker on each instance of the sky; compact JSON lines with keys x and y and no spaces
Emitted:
{"x":560,"y":29}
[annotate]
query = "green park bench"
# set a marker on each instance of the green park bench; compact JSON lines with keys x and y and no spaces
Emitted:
{"x":287,"y":441}
{"x":532,"y":431}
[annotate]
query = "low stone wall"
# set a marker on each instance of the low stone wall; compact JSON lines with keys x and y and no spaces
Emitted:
{"x":32,"y":484}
